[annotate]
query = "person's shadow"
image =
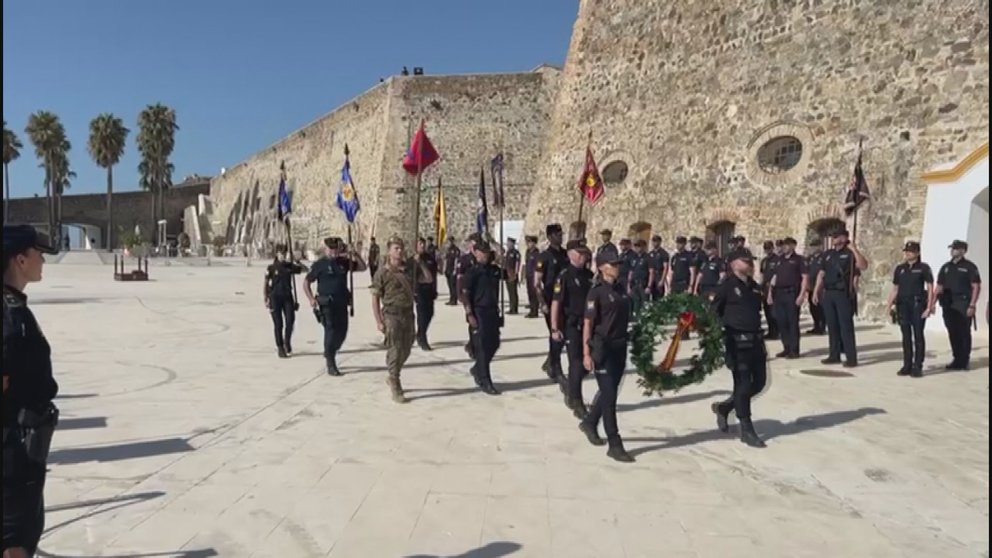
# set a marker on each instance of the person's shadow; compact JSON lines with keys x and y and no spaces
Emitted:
{"x":491,"y":550}
{"x":768,"y":429}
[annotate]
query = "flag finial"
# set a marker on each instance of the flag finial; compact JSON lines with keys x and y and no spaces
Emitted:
{"x":346,"y":152}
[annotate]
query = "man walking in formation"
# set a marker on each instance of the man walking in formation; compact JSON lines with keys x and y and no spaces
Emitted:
{"x":511,"y":274}
{"x":480,"y":297}
{"x":392,"y":306}
{"x":451,"y":256}
{"x":567,"y":308}
{"x":550,"y":263}
{"x":280,"y":298}
{"x":425,"y":267}
{"x":530,"y":267}
{"x":333,"y":296}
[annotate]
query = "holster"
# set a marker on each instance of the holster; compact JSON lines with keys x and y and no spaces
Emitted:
{"x":319,"y":315}
{"x":746,"y":340}
{"x":37,"y":431}
{"x":597,"y":350}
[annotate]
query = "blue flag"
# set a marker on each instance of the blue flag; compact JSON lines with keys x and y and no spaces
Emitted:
{"x":285,"y":205}
{"x":347,"y":198}
{"x":482,"y":209}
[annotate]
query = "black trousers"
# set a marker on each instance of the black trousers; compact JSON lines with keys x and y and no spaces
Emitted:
{"x":283,"y":310}
{"x":532,"y":297}
{"x":816,"y":313}
{"x":637,"y":298}
{"x":958,"y":326}
{"x":838,"y":309}
{"x":604,"y":405}
{"x":513,"y":295}
{"x":485,"y":341}
{"x":679,"y":287}
{"x":452,"y":292}
{"x":554,"y":348}
{"x":911,"y":322}
{"x":787,"y":317}
{"x":23,"y":497}
{"x":747,"y":359}
{"x":424,"y":298}
{"x":657,"y":291}
{"x":769,"y":313}
{"x":573,"y":347}
{"x":372,"y":269}
{"x":335,"y":322}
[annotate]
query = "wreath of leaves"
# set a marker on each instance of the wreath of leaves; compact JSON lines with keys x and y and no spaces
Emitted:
{"x":657,"y":322}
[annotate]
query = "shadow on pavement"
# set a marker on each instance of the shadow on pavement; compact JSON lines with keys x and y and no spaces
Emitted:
{"x":975,"y":364}
{"x":656,"y":401}
{"x":491,"y":550}
{"x":502,"y":386}
{"x":120,"y":451}
{"x":81,"y":423}
{"x":768,"y":429}
{"x":118,"y":501}
{"x":205,"y":553}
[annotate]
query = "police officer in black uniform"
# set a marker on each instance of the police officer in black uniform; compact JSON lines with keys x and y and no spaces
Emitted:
{"x":627,"y":256}
{"x":530,"y":266}
{"x":464,"y":265}
{"x":788,"y":290}
{"x":659,"y":259}
{"x":550,"y":263}
{"x":814,"y":263}
{"x":511,"y":274}
{"x":425,"y":294}
{"x":280,"y":298}
{"x":607,"y":246}
{"x":912,"y":300}
{"x":374,"y":258}
{"x":696,"y":249}
{"x":738,"y":304}
{"x":958,"y":286}
{"x":480,"y":297}
{"x":835,"y":291}
{"x":29,"y":416}
{"x":568,"y":305}
{"x":682,"y":270}
{"x":451,"y":255}
{"x":604,"y":336}
{"x":333,"y":296}
{"x":767,"y":268}
{"x":639,"y":277}
{"x":711,"y":273}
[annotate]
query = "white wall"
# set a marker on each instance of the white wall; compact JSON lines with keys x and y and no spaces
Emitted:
{"x":952,"y":214}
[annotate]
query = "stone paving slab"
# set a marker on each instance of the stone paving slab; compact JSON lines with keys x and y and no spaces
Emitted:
{"x":184,"y":435}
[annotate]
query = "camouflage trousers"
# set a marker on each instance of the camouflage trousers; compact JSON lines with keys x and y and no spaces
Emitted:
{"x":399,"y":339}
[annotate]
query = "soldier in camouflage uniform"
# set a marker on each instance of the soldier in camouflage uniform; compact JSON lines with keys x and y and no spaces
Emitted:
{"x":392,"y":306}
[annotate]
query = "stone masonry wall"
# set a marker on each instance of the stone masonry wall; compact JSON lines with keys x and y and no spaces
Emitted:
{"x":686,"y":94}
{"x":468,"y":119}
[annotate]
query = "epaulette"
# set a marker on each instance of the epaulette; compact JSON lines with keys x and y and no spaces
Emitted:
{"x":11,"y":300}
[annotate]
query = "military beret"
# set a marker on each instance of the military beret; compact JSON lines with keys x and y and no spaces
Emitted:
{"x":553,"y":228}
{"x":396,"y":241}
{"x":18,"y":238}
{"x":779,"y":242}
{"x":474,"y":237}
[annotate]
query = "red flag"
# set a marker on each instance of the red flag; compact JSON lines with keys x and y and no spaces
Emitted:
{"x":590,"y":183}
{"x":421,"y":153}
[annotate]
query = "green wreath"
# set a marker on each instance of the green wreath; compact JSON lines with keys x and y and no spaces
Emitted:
{"x":653,"y":325}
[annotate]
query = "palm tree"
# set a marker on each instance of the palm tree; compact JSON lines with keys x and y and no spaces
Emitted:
{"x":156,"y":140}
{"x":106,"y":145}
{"x":11,"y":151}
{"x":61,"y":180}
{"x":47,"y":134}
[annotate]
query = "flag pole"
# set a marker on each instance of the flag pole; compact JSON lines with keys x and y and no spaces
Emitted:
{"x":420,"y":171}
{"x":289,"y":231}
{"x":351,"y":268}
{"x":502,"y":244}
{"x":582,"y":193}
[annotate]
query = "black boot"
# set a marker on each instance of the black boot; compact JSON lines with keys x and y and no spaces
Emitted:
{"x":916,"y":372}
{"x":904,"y":371}
{"x":489,"y":389}
{"x":424,"y":346}
{"x":289,"y":348}
{"x":721,"y":417}
{"x":562,"y":382}
{"x":475,"y":376}
{"x":617,"y":452}
{"x":749,"y":436}
{"x":281,"y":352}
{"x":591,"y":434}
{"x":546,"y":365}
{"x":332,"y":368}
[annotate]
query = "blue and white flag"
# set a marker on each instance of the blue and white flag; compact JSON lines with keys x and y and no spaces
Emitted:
{"x":347,"y":198}
{"x":285,"y":203}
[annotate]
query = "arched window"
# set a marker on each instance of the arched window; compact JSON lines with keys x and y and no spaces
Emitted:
{"x":780,"y":154}
{"x":721,"y":232}
{"x":614,"y":173}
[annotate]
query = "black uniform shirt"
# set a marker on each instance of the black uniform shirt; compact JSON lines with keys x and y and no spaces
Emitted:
{"x":279,"y":276}
{"x":331,"y":275}
{"x":374,"y":254}
{"x":699,"y":256}
{"x":682,"y":262}
{"x":571,"y":290}
{"x":738,"y":303}
{"x":767,"y":268}
{"x":27,"y":359}
{"x":814,"y":264}
{"x":626,"y":263}
{"x":510,"y":262}
{"x":465,"y":263}
{"x":657,"y":259}
{"x":911,"y":280}
{"x":608,"y":248}
{"x":550,"y":263}
{"x":837,"y":265}
{"x":956,"y":279}
{"x":710,"y":272}
{"x":426,"y":267}
{"x":451,"y":256}
{"x":789,"y":271}
{"x":480,"y":286}
{"x":531,"y":263}
{"x":608,"y":306}
{"x":640,"y":267}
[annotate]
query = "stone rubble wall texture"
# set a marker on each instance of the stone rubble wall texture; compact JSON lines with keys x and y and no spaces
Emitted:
{"x":467,"y":117}
{"x":686,"y":92}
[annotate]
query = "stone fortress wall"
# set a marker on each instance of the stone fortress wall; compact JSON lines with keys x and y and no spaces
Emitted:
{"x":469,"y":117}
{"x":745,"y":117}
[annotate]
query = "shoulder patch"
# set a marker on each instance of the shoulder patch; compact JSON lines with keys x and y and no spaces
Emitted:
{"x":11,"y":301}
{"x":591,"y":304}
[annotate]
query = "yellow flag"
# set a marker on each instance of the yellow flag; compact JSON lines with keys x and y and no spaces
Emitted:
{"x":440,"y":216}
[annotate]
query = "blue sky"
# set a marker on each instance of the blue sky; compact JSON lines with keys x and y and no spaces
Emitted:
{"x":241,"y":73}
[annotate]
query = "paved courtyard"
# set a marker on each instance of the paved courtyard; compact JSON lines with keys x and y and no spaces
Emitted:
{"x":183,"y":435}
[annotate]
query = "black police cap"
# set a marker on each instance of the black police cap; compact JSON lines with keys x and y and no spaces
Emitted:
{"x":711,"y":245}
{"x":790,"y":241}
{"x":624,"y":241}
{"x":576,"y":244}
{"x":959,"y":245}
{"x":768,"y":245}
{"x":511,"y":239}
{"x":640,"y":243}
{"x":840,"y":232}
{"x":740,"y":255}
{"x":530,"y":238}
{"x":607,"y":258}
{"x":553,"y":228}
{"x":656,"y":238}
{"x":483,"y":246}
{"x":680,"y":240}
{"x":19,"y":238}
{"x":695,"y":239}
{"x":911,"y":246}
